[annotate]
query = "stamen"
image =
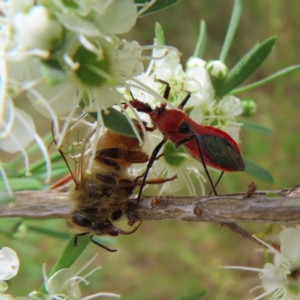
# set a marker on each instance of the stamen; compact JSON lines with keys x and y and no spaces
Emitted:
{"x":41,"y":144}
{"x":68,"y":60}
{"x":266,"y":294}
{"x":3,"y":86}
{"x":25,"y":155}
{"x":7,"y":127}
{"x":145,"y":88}
{"x":103,"y":294}
{"x":144,"y":6}
{"x":46,"y":105}
{"x":20,"y":54}
{"x":91,"y":47}
{"x":245,"y":268}
{"x":5,"y":179}
{"x":131,"y":122}
{"x":99,"y":72}
{"x":86,"y":265}
{"x":99,"y":124}
{"x":68,"y":119}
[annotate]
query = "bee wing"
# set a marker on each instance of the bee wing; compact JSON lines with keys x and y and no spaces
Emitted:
{"x":76,"y":146}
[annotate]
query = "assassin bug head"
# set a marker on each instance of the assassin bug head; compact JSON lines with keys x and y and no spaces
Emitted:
{"x":141,"y":106}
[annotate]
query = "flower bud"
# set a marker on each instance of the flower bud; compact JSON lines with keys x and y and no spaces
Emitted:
{"x":249,"y":107}
{"x":217,"y":69}
{"x":38,"y":29}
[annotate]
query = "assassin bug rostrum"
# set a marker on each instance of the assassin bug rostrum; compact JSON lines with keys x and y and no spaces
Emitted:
{"x":211,"y":146}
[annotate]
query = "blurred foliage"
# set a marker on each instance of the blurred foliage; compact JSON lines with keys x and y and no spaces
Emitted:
{"x":164,"y":260}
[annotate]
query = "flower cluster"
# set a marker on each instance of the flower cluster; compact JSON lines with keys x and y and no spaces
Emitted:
{"x":57,"y":55}
{"x":63,"y":284}
{"x":281,"y":279}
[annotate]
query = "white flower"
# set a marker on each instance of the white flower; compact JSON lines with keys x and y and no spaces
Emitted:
{"x":9,"y":263}
{"x":281,"y":278}
{"x":105,"y":17}
{"x":92,"y":77}
{"x":37,"y":29}
{"x":65,"y":284}
{"x":59,"y":56}
{"x":9,"y":267}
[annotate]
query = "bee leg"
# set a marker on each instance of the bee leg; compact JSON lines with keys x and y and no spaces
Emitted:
{"x":76,"y":237}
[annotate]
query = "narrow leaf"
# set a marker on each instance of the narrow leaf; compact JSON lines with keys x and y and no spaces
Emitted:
{"x":234,"y":21}
{"x":69,"y":255}
{"x":251,"y":126}
{"x":194,"y":296}
{"x":246,"y":67}
{"x":20,"y":184}
{"x":266,"y":80}
{"x":5,"y":198}
{"x":201,"y":42}
{"x":258,"y":172}
{"x":116,"y":121}
{"x":53,"y":233}
{"x":159,"y":34}
{"x":158,"y":5}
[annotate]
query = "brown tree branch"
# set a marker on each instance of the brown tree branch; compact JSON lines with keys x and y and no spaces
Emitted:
{"x":283,"y":207}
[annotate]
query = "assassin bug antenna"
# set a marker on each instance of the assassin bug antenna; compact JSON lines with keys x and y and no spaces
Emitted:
{"x":207,"y":144}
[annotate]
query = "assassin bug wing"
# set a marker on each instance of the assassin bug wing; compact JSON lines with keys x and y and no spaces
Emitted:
{"x":220,"y":154}
{"x":218,"y":148}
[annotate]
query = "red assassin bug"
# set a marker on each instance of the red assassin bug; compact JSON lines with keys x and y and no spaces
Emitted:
{"x":211,"y":146}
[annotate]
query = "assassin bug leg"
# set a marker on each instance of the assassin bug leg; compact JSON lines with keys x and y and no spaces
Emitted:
{"x":149,"y":165}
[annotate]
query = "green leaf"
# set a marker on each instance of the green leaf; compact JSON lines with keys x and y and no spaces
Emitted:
{"x":40,"y":165}
{"x":266,"y":80}
{"x":251,"y":126}
{"x":159,"y":34}
{"x":245,"y":67}
{"x":234,"y":21}
{"x":158,"y":5}
{"x":52,"y":71}
{"x":10,"y":171}
{"x":20,"y":184}
{"x":5,"y":198}
{"x":258,"y":172}
{"x":53,"y":233}
{"x":116,"y":121}
{"x":194,"y":296}
{"x":173,"y":156}
{"x":69,"y":255}
{"x":32,"y":149}
{"x":201,"y":42}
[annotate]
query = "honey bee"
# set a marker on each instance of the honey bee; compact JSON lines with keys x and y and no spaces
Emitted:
{"x":100,"y":194}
